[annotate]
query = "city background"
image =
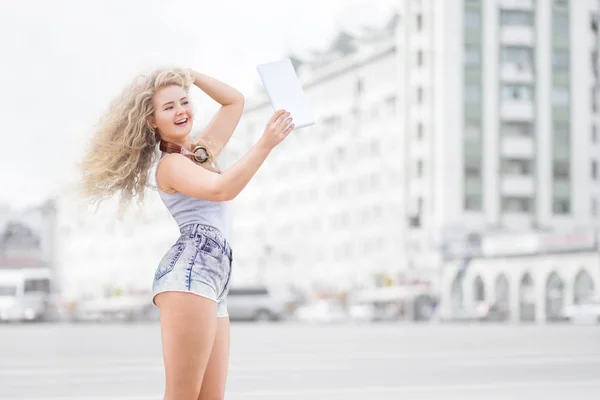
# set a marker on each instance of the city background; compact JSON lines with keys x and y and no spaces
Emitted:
{"x":453,"y":175}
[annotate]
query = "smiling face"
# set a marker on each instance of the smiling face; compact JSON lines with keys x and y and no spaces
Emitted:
{"x":173,"y":114}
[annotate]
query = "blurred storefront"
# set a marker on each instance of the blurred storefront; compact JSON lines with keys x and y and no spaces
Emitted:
{"x":528,"y":277}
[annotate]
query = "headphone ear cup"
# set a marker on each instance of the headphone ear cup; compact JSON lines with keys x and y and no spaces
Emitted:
{"x":201,"y":154}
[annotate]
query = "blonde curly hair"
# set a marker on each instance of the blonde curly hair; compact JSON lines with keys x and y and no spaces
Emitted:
{"x":123,"y":148}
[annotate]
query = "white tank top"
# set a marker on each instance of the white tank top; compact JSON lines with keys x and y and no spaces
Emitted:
{"x":188,"y":210}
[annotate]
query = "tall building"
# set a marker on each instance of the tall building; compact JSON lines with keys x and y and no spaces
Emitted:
{"x":324,"y":208}
{"x":462,"y":132}
{"x":502,"y":117}
{"x":502,"y":149}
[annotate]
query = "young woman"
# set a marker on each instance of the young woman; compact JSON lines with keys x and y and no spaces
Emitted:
{"x":192,"y":280}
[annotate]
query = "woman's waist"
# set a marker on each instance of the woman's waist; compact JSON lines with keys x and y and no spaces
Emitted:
{"x":196,"y":230}
{"x":216,"y":219}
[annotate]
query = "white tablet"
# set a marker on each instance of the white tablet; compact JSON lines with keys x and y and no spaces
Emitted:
{"x":284,"y":90}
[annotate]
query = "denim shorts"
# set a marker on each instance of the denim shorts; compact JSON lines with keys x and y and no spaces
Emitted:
{"x":200,"y":263}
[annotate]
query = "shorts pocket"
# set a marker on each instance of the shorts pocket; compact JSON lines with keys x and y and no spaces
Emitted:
{"x":169,"y":260}
{"x":211,"y":248}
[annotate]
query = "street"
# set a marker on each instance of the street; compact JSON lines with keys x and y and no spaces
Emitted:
{"x":292,"y":361}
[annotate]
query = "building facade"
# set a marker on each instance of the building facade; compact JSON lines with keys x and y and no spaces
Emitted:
{"x":27,"y":237}
{"x":474,"y":119}
{"x":324,"y":208}
{"x":504,"y":117}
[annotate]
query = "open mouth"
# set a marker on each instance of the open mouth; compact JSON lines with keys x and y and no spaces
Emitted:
{"x":183,"y":122}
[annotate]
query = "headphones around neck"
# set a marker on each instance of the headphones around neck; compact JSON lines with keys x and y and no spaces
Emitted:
{"x":199,"y":154}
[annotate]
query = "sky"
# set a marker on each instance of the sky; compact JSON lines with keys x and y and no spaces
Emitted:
{"x":64,"y":60}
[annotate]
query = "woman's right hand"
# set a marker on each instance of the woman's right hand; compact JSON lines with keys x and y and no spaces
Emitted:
{"x":279,"y":126}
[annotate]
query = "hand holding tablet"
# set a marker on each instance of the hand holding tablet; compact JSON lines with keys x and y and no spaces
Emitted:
{"x":278,"y":128}
{"x":284,"y":91}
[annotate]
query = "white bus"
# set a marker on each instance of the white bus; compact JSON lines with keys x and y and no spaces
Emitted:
{"x":24,"y":294}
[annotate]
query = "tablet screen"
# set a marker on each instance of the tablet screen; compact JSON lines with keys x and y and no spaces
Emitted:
{"x":284,"y":90}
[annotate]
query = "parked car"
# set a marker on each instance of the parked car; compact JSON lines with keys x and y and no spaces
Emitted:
{"x":254,"y":303}
{"x":584,"y":313}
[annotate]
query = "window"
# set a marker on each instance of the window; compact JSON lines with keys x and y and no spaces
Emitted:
{"x":472,"y":132}
{"x":472,"y":20}
{"x":517,"y":204}
{"x":472,"y":93}
{"x":560,"y":24}
{"x":561,"y":3}
{"x":420,"y":58}
{"x":420,"y":95}
{"x":374,"y":111}
{"x":517,"y":93}
{"x":594,"y":134}
{"x":8,"y":290}
{"x":561,"y":170}
{"x":414,"y":221}
{"x":561,"y":206}
{"x":374,"y":181}
{"x":515,"y":18}
{"x":473,"y":203}
{"x":419,"y":22}
{"x":390,"y":103}
{"x":472,"y":56}
{"x":472,"y":168}
{"x":560,"y":96}
{"x":419,"y":168}
{"x":37,"y":285}
{"x":420,"y":131}
{"x":522,"y":57}
{"x":342,"y":188}
{"x":594,"y":207}
{"x":331,"y":122}
{"x":514,"y":128}
{"x":359,"y":87}
{"x":344,"y":219}
{"x":594,"y":170}
{"x":560,"y":59}
{"x":561,"y":134}
{"x":594,"y":98}
{"x":375,"y":148}
{"x":517,"y":167}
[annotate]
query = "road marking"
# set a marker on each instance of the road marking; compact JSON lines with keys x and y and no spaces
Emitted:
{"x":365,"y":390}
{"x":291,"y":365}
{"x":423,"y":388}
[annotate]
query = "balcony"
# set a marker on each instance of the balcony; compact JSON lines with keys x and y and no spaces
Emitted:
{"x":517,"y":35}
{"x":525,"y":5}
{"x":516,"y":73}
{"x":517,"y":221}
{"x":517,"y":110}
{"x":517,"y":186}
{"x":517,"y":147}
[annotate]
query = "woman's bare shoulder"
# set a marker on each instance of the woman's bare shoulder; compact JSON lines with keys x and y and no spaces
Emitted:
{"x":178,"y":173}
{"x":164,"y":165}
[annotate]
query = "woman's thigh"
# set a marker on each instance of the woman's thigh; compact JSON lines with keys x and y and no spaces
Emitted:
{"x":188,"y":324}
